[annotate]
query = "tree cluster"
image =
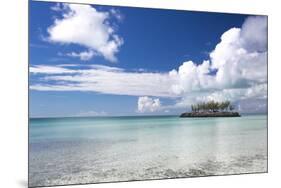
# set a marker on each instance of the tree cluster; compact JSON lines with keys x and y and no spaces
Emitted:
{"x":212,"y":106}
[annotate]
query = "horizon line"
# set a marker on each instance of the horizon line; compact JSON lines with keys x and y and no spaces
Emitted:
{"x":113,"y":116}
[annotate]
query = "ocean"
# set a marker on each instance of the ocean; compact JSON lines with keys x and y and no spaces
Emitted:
{"x":83,"y":150}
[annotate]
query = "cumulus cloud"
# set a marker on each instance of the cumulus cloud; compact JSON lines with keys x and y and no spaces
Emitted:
{"x":254,"y":34}
{"x":236,"y":70}
{"x":233,"y":60}
{"x":257,"y":92}
{"x":85,"y":26}
{"x":239,"y":50}
{"x":148,"y":104}
{"x":192,"y":77}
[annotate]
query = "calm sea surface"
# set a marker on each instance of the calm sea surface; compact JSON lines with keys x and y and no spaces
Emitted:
{"x":91,"y":150}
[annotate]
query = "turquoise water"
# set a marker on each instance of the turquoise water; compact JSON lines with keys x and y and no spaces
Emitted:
{"x":91,"y":150}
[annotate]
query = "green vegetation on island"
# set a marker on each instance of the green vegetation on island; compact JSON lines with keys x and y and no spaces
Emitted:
{"x":212,"y":109}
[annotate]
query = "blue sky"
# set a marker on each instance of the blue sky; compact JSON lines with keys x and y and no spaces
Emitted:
{"x":104,"y":60}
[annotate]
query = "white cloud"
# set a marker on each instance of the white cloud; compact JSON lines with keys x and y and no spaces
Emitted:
{"x":91,"y":113}
{"x":87,"y":27}
{"x":148,"y":104}
{"x":241,"y":50}
{"x":236,"y":70}
{"x":102,"y":79}
{"x":191,"y":78}
{"x":46,"y":69}
{"x":254,"y":33}
{"x":116,"y":13}
{"x":240,"y":63}
{"x":57,"y":7}
{"x":258,"y":91}
{"x":233,"y":60}
{"x":84,"y":56}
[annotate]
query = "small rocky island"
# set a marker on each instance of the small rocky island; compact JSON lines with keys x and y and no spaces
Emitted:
{"x":211,"y":109}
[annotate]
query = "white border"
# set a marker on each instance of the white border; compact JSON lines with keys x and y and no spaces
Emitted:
{"x":13,"y":95}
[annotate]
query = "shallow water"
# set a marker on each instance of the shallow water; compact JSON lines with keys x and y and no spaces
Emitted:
{"x":91,"y":150}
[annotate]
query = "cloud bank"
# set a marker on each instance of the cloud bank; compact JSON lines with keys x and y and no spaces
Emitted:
{"x":85,"y":26}
{"x":148,"y":104}
{"x":101,"y":79}
{"x":91,"y":113}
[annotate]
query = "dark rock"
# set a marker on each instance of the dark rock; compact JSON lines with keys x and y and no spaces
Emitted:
{"x":210,"y":114}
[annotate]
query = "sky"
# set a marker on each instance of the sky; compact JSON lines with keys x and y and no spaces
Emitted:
{"x":93,"y":60}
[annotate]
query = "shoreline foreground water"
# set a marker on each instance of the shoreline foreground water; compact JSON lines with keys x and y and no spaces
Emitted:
{"x":107,"y":149}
